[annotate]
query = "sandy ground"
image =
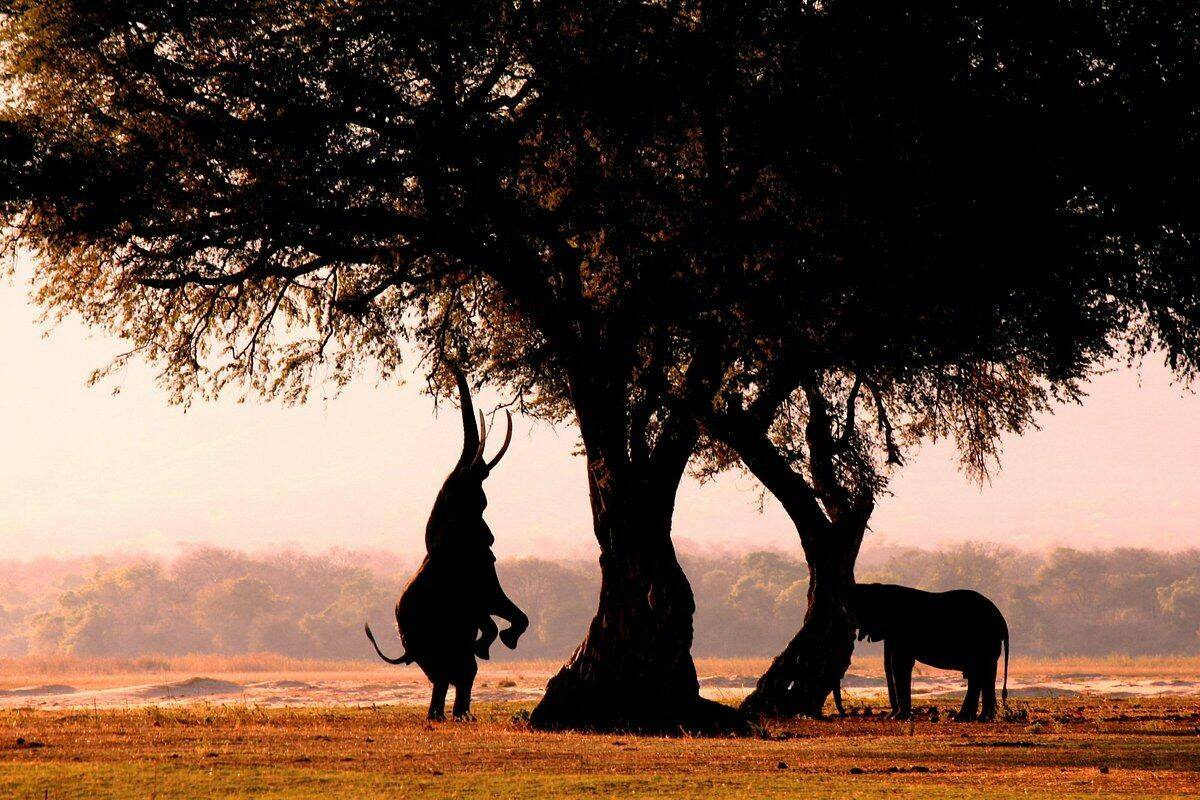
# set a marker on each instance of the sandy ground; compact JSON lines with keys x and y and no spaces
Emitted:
{"x":500,"y":683}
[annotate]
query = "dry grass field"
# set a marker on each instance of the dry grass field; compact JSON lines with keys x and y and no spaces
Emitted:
{"x":1063,"y":749}
{"x":1087,"y":744}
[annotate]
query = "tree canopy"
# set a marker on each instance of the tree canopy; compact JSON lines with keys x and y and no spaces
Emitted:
{"x":820,"y":232}
{"x":244,"y":190}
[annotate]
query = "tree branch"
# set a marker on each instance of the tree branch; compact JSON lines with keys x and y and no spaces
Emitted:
{"x":885,"y":424}
{"x":751,"y":440}
{"x":260,"y":269}
{"x":818,"y":432}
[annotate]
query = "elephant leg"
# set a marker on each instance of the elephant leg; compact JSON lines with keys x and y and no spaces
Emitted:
{"x":891,"y":679}
{"x":487,"y":635}
{"x":437,"y":701}
{"x":504,"y":608}
{"x":887,"y":674}
{"x":987,"y":683}
{"x":463,"y":684}
{"x":970,"y":706}
{"x":518,"y":624}
{"x":902,"y":668}
{"x":837,"y":701}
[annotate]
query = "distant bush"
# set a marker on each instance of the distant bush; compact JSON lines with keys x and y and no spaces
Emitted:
{"x":214,"y":601}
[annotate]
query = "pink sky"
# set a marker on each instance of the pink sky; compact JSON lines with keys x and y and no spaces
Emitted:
{"x":86,"y":471}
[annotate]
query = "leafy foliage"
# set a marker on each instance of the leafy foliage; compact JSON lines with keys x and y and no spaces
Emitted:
{"x":906,"y":211}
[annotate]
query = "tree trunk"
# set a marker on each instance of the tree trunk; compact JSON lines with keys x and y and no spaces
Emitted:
{"x":801,"y":677}
{"x":634,"y":669}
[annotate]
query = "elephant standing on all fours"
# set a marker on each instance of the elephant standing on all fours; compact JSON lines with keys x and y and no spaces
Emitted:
{"x":958,"y":630}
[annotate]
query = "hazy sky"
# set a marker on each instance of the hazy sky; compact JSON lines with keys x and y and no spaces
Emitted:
{"x":86,"y":471}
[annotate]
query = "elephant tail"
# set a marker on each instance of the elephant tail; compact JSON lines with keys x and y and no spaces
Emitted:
{"x":1004,"y":690}
{"x":404,"y":658}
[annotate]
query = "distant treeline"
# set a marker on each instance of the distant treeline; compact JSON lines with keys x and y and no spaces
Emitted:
{"x":208,"y":600}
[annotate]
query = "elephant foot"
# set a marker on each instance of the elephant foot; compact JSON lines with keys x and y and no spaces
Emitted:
{"x":436,"y":716}
{"x":965,"y":718}
{"x":465,"y":716}
{"x":902,"y":716}
{"x":509,"y":636}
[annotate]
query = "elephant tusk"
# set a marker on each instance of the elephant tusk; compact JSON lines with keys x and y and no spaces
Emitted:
{"x":507,"y":440}
{"x":483,"y":434}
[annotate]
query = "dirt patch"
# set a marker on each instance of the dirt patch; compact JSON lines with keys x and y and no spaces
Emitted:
{"x":521,"y":683}
{"x":48,"y":690}
{"x":728,"y":681}
{"x":852,"y":681}
{"x":190,"y":688}
{"x":1041,"y":691}
{"x":284,"y":684}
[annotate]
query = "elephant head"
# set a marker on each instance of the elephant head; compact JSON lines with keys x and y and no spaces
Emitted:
{"x":871,"y":604}
{"x":456,"y":522}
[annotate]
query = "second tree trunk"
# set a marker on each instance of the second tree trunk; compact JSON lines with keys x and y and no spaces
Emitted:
{"x":801,"y":678}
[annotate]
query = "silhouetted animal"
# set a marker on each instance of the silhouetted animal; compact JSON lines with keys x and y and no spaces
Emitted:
{"x":958,"y":630}
{"x":455,"y":591}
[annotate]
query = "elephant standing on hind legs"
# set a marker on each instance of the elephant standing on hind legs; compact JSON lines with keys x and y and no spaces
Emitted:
{"x":445,"y":613}
{"x":958,"y":630}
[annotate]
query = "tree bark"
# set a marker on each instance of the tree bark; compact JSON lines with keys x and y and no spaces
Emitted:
{"x":634,"y":670}
{"x":801,"y":678}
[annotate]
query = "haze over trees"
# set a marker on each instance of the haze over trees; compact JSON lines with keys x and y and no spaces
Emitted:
{"x":802,"y":236}
{"x":1061,"y":602}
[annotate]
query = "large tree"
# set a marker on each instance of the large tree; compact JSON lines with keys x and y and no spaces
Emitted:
{"x":658,"y":218}
{"x":1016,"y":191}
{"x":254,"y":191}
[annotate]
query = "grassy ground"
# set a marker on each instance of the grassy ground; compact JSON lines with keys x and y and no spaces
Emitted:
{"x":1052,"y":748}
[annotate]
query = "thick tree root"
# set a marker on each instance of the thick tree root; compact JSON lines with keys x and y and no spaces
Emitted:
{"x":701,"y":717}
{"x":572,"y":704}
{"x":802,"y":677}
